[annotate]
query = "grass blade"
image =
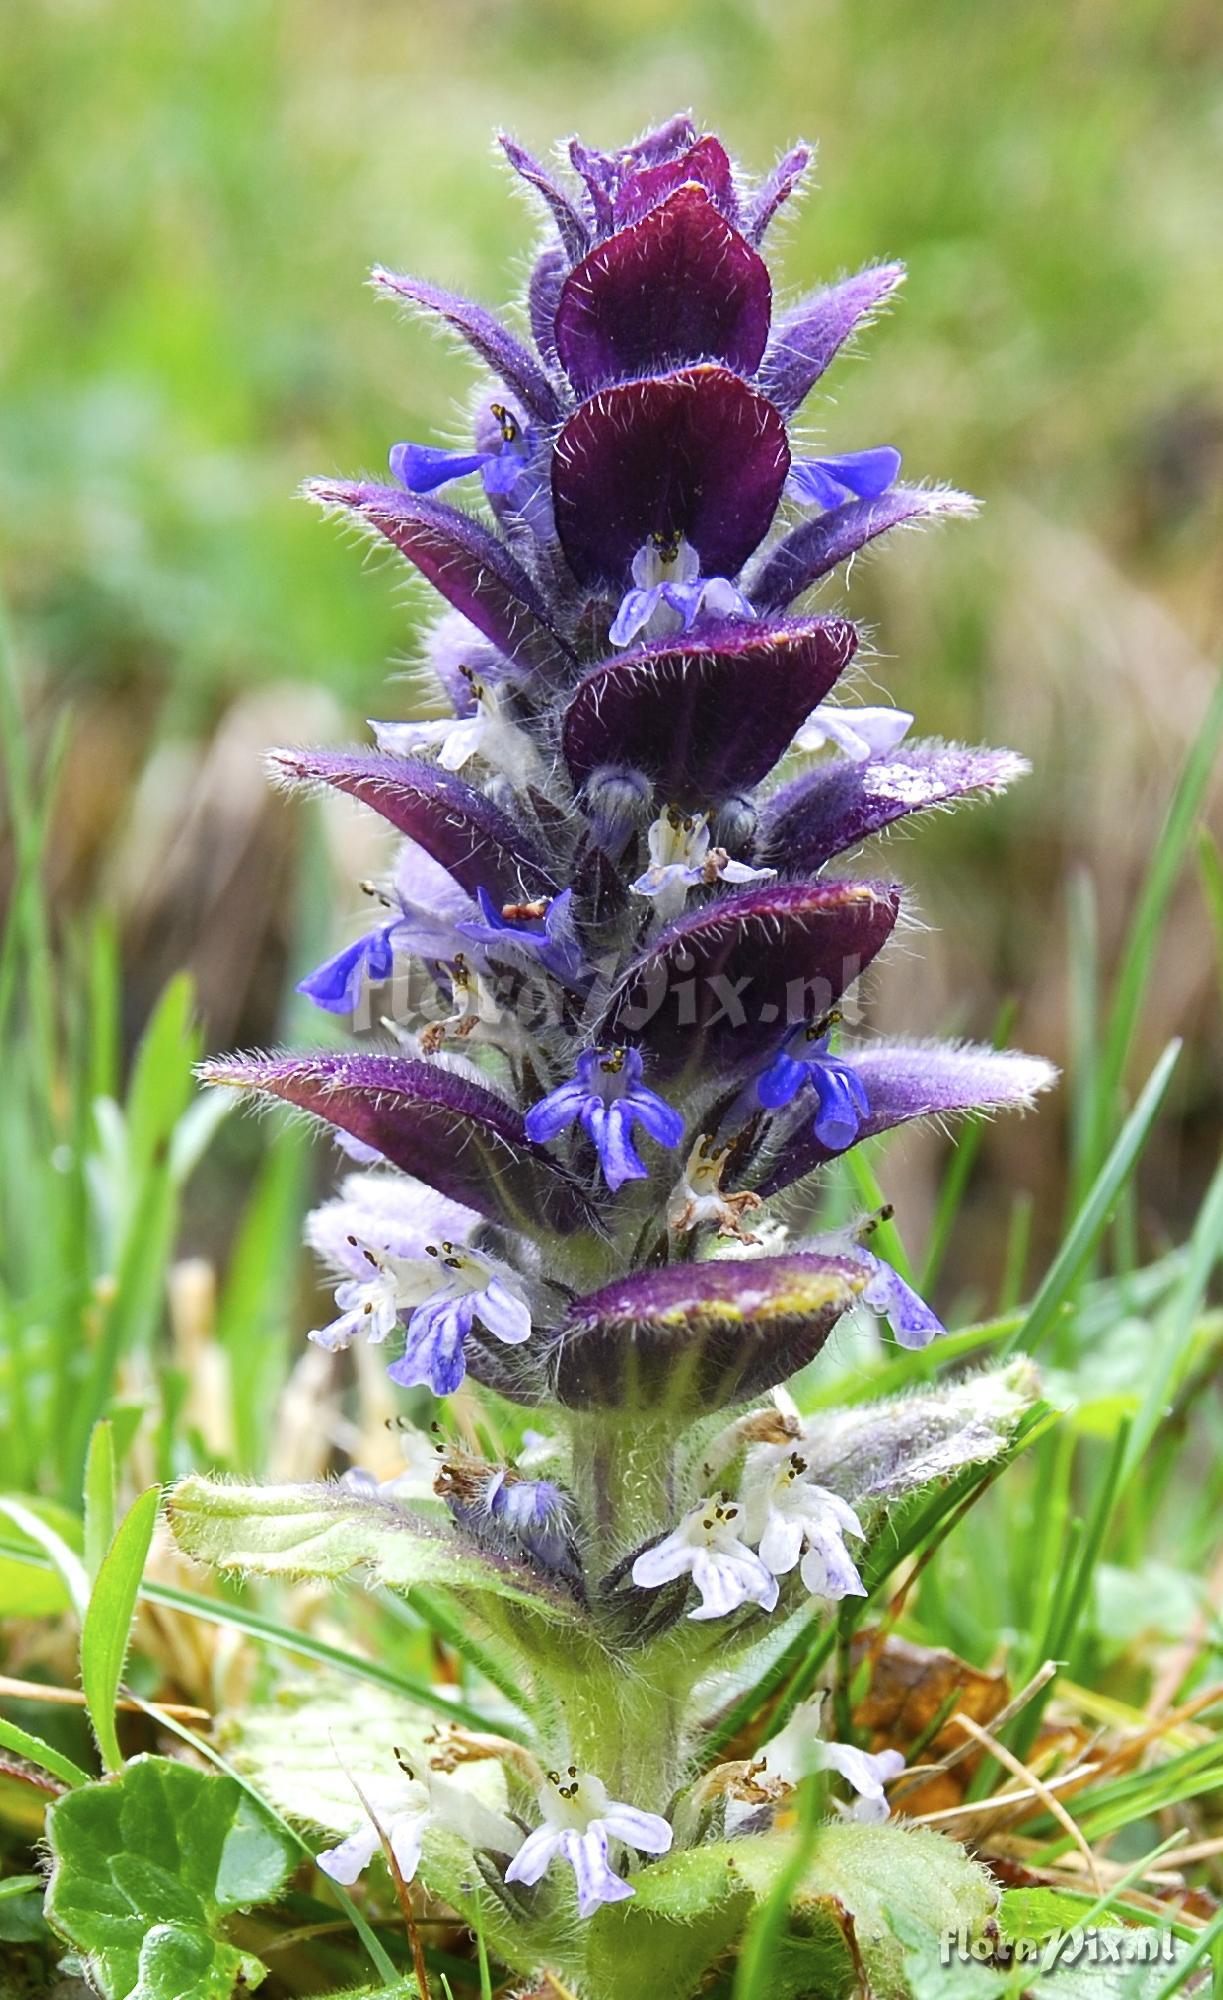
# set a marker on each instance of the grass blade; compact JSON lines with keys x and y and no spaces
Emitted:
{"x":1092,"y":1218}
{"x":1138,"y":956}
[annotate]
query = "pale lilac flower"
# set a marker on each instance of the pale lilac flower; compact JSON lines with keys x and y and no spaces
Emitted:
{"x":708,"y":1546}
{"x":859,"y":733}
{"x":489,"y":733}
{"x":681,"y":857}
{"x":406,"y":1806}
{"x":798,"y":1750}
{"x":377,"y":1235}
{"x":580,"y":1825}
{"x":788,"y":1516}
{"x":913,"y":1322}
{"x":471,"y":1289}
{"x":669,"y":593}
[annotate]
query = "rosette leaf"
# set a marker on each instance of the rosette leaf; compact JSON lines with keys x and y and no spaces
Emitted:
{"x":842,"y":801}
{"x":448,"y":1131}
{"x":680,"y":285}
{"x":705,"y":719}
{"x":477,"y":843}
{"x":693,"y":1337}
{"x":906,"y":1080}
{"x":471,"y":568}
{"x":719,"y":985}
{"x":696,"y":454}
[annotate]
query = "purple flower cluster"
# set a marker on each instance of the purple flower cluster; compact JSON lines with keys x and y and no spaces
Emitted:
{"x":630,"y":656}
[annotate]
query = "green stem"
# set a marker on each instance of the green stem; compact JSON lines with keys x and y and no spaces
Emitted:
{"x":624,"y":1480}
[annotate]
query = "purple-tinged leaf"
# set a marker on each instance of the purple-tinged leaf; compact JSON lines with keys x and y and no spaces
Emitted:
{"x":476,"y":842}
{"x":706,"y":165}
{"x":814,"y":548}
{"x":842,"y":801}
{"x":543,"y":299}
{"x":776,"y":189}
{"x":707,"y":716}
{"x":905,"y":1080}
{"x":469,"y":566}
{"x":598,"y":172}
{"x":574,"y":233}
{"x":721,"y":985}
{"x":663,"y":142}
{"x":693,"y":1337}
{"x":680,"y":285}
{"x":806,"y":339}
{"x":494,"y":343}
{"x":695,"y":454}
{"x":461,"y":1139}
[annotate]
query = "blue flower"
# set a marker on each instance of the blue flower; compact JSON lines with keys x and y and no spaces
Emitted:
{"x":804,"y":1061}
{"x":829,"y":482}
{"x":607,"y":1097}
{"x":535,"y":1513}
{"x":670,"y":593}
{"x":470,"y":1290}
{"x":542,"y":931}
{"x":337,"y":984}
{"x":422,"y":468}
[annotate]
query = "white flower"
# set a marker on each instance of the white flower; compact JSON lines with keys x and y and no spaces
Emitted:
{"x":697,"y":1200}
{"x":722,"y":1567}
{"x":488,"y":733}
{"x":861,"y":733}
{"x":789,"y":1516}
{"x":681,"y":856}
{"x":579,"y":1823}
{"x":405,"y":1807}
{"x":798,"y":1750}
{"x":369,"y":1306}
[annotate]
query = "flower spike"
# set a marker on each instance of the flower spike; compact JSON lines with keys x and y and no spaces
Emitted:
{"x":612,"y":978}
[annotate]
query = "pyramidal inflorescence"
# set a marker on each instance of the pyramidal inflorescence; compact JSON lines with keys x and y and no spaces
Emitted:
{"x":615,"y":967}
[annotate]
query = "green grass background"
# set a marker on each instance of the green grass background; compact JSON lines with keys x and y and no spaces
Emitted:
{"x":190,"y":198}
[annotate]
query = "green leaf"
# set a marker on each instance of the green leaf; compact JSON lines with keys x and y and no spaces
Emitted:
{"x":309,"y":1531}
{"x":45,"y":1755}
{"x":108,"y":1620}
{"x":691,"y":1907}
{"x":145,"y":1866}
{"x":178,"y":1964}
{"x":99,"y":1496}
